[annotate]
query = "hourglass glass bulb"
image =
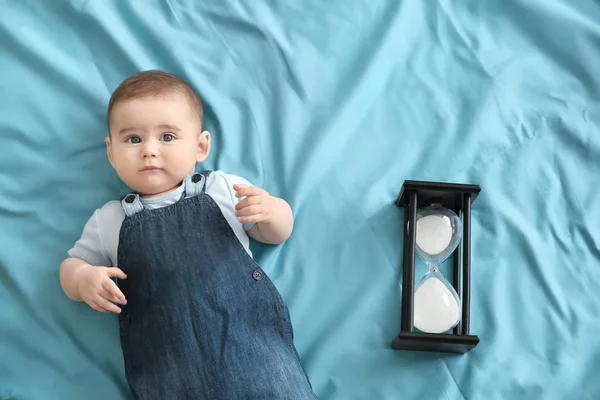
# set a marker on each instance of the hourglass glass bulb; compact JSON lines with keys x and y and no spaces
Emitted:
{"x":436,"y":304}
{"x":438,"y":233}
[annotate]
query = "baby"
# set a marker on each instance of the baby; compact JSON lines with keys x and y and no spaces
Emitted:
{"x":198,"y":317}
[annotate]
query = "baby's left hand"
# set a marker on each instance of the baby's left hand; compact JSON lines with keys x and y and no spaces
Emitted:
{"x":257,"y":205}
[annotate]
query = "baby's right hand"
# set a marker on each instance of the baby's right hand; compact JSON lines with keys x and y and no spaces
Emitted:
{"x":98,"y":290}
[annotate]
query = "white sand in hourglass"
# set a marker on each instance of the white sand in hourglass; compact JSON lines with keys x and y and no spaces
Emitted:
{"x":434,"y":234}
{"x":436,"y":309}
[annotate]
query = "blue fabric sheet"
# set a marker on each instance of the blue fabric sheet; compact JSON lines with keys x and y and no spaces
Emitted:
{"x":331,"y":105}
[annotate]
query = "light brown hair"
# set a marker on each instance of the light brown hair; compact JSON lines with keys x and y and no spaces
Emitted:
{"x":155,"y":83}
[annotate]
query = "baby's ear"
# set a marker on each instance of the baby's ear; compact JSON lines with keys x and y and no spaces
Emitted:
{"x":109,"y":151}
{"x":203,"y":146}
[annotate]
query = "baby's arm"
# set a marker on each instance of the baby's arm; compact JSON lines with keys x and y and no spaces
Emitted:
{"x":272,"y":217}
{"x":84,"y":277}
{"x":84,"y":282}
{"x":70,"y":275}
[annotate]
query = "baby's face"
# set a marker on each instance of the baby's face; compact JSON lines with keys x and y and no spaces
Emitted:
{"x":155,"y":142}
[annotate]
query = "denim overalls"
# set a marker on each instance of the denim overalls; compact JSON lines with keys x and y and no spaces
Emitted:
{"x":202,"y":320}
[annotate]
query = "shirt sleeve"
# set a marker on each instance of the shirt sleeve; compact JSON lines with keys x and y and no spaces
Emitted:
{"x":236,"y":180}
{"x":90,"y":247}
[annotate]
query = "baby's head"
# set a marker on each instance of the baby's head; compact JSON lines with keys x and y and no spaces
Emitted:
{"x":155,"y":132}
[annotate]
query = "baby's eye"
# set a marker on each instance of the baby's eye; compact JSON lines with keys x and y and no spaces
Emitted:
{"x":134,"y":139}
{"x":167,"y":137}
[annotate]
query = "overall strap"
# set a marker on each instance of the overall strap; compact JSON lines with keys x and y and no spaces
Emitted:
{"x":132,"y":204}
{"x":195,"y":183}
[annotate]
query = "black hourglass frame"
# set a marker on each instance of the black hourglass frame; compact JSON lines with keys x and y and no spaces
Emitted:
{"x":458,"y":198}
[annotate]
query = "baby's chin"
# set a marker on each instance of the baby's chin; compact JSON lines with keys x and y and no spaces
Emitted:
{"x":152,"y":184}
{"x":148,"y":191}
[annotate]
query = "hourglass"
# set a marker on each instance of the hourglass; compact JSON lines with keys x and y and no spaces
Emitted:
{"x":435,"y":231}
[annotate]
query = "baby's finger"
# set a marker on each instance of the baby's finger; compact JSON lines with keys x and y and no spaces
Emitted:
{"x":248,"y":191}
{"x":250,"y":210}
{"x":95,"y":306}
{"x":109,"y":296}
{"x":248,"y":201}
{"x":116,"y":272}
{"x":251,"y":219}
{"x":114,"y":290}
{"x":106,"y":305}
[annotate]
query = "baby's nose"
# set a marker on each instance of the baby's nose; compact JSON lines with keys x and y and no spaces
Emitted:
{"x":149,"y":149}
